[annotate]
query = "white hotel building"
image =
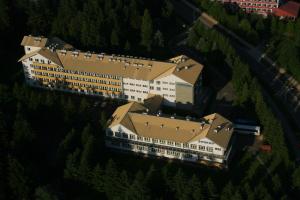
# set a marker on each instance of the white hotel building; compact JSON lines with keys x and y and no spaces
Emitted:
{"x":133,"y":127}
{"x":51,"y":63}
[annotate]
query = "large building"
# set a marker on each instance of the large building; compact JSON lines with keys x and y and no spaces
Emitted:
{"x":264,"y":7}
{"x":51,"y":63}
{"x":134,"y":127}
{"x":279,"y":8}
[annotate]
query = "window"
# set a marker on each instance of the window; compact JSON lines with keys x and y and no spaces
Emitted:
{"x":125,"y":135}
{"x":28,"y":48}
{"x":162,"y":142}
{"x":177,"y":144}
{"x":132,"y":137}
{"x":218,"y":149}
{"x":109,"y":133}
{"x":30,"y":59}
{"x":139,"y":99}
{"x":209,"y":149}
{"x":193,"y":146}
{"x":132,"y":97}
{"x":118,"y":134}
{"x":127,"y":146}
{"x":158,"y":88}
{"x":187,"y":155}
{"x":155,"y":140}
{"x":147,"y":139}
{"x":185,"y":145}
{"x":151,"y":88}
{"x":157,"y":82}
{"x":170,"y":143}
{"x":201,"y":148}
{"x":139,"y":138}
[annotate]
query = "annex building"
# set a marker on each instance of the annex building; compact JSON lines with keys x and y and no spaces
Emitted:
{"x":145,"y":129}
{"x":284,"y":9}
{"x":51,"y":63}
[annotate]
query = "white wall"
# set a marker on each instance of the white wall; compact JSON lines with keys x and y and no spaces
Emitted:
{"x":167,"y":87}
{"x":135,"y":88}
{"x":36,"y":58}
{"x":29,"y":49}
{"x":208,"y":143}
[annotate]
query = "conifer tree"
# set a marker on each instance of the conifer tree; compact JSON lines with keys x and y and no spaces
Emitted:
{"x":146,"y":30}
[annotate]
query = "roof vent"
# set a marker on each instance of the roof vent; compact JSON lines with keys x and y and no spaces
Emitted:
{"x":177,"y":69}
{"x":202,"y":125}
{"x":216,"y":130}
{"x":173,"y":116}
{"x":37,"y":39}
{"x":159,"y":113}
{"x":186,"y":67}
{"x":162,"y":125}
{"x":177,"y":128}
{"x":146,"y":123}
{"x":188,"y":118}
{"x":63,"y":52}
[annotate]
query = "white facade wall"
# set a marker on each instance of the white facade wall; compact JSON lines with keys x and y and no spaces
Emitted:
{"x":166,"y":87}
{"x":36,"y":58}
{"x":208,"y":144}
{"x":216,"y":149}
{"x":29,"y":49}
{"x":135,"y":90}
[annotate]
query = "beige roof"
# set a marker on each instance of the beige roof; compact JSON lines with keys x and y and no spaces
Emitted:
{"x":140,"y":69}
{"x":34,"y":41}
{"x":45,"y":53}
{"x":28,"y":55}
{"x":153,"y":102}
{"x":124,"y":66}
{"x":177,"y":130}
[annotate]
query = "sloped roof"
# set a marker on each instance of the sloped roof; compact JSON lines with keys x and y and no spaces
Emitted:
{"x":45,"y":53}
{"x":153,"y":102}
{"x":124,"y":66}
{"x":140,"y":69}
{"x":177,"y":130}
{"x":288,"y":9}
{"x":34,"y":41}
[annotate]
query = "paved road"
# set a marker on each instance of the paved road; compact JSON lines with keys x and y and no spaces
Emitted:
{"x":277,"y":82}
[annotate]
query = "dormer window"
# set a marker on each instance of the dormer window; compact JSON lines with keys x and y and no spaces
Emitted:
{"x":28,"y":49}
